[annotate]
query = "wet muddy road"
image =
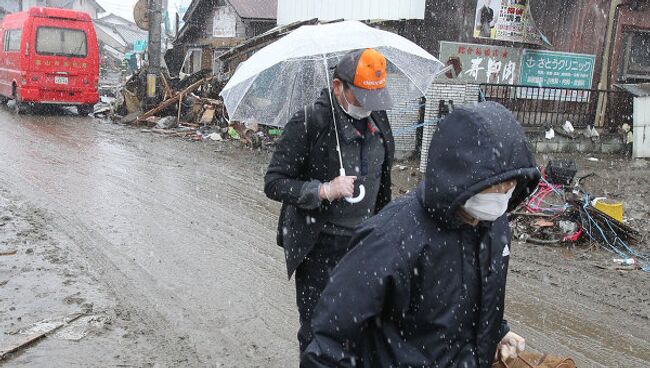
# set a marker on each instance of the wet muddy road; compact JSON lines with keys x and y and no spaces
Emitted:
{"x":182,"y":237}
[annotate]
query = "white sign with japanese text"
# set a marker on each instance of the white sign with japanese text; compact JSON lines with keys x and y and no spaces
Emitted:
{"x":483,"y":63}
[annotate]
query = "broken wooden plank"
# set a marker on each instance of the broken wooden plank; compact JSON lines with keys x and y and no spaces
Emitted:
{"x":168,"y":89}
{"x":163,"y":131}
{"x":30,"y":339}
{"x":190,"y":125}
{"x":180,"y":107}
{"x":618,"y":267}
{"x":165,"y":104}
{"x":530,"y":214}
{"x":207,"y":116}
{"x":8,"y":252}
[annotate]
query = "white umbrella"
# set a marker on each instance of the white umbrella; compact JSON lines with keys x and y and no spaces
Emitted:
{"x":290,"y":73}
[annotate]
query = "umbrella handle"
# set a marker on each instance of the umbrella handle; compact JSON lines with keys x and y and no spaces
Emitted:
{"x":362,"y":191}
{"x":359,"y":198}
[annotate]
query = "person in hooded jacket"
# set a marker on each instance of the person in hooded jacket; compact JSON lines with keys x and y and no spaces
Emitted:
{"x":424,"y":283}
{"x":316,"y":222}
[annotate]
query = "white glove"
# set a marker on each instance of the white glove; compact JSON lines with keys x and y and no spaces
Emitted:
{"x":340,"y":187}
{"x":510,"y":346}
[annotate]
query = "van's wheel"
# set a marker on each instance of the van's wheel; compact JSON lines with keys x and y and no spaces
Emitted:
{"x":20,"y":107}
{"x":3,"y":100}
{"x":84,"y":110}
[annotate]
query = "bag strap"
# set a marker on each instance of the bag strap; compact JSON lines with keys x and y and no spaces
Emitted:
{"x":313,"y":133}
{"x":309,"y":110}
{"x":520,"y":358}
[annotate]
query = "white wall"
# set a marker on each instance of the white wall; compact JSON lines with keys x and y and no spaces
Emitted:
{"x":26,"y":4}
{"x":641,"y":116}
{"x":295,"y":10}
{"x":403,"y":115}
{"x":460,"y":94}
{"x":225,"y":22}
{"x":86,"y":7}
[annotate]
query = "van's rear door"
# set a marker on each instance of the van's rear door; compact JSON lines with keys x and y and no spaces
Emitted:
{"x":60,"y":53}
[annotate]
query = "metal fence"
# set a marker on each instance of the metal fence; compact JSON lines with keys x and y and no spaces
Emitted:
{"x":544,"y":107}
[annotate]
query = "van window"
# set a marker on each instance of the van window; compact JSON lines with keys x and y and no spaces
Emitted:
{"x":61,"y":42}
{"x":12,"y":40}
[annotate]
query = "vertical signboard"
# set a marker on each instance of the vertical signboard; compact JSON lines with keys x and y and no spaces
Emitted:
{"x":506,"y":20}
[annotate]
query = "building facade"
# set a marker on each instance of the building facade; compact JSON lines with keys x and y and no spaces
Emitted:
{"x":88,"y":6}
{"x":212,"y":27}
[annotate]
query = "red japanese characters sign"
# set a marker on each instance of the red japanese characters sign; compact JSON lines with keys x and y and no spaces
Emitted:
{"x":483,"y":63}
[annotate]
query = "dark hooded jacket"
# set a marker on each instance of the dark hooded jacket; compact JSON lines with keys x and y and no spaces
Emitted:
{"x":304,"y":158}
{"x":420,"y":288}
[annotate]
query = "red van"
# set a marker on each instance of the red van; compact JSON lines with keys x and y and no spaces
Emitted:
{"x":49,"y":56}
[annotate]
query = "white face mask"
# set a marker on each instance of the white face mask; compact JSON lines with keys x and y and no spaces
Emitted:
{"x":356,"y":112}
{"x":488,"y":206}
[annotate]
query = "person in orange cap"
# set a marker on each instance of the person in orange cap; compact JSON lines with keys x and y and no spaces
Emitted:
{"x":316,"y":220}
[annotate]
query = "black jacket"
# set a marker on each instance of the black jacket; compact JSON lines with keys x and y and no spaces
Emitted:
{"x":305,"y":156}
{"x":421,"y":288}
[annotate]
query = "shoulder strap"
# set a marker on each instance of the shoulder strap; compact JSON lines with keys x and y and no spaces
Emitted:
{"x":312,"y":132}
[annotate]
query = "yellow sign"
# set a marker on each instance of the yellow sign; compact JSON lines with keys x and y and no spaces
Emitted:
{"x":151,"y":85}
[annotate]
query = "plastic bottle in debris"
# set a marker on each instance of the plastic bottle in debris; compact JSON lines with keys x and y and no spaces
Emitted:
{"x":625,"y":261}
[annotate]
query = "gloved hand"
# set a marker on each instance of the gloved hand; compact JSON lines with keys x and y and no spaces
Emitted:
{"x":341,"y":187}
{"x":510,"y":346}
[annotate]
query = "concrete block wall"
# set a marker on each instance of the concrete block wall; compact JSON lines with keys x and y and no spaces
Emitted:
{"x":403,"y":115}
{"x":607,"y":144}
{"x":458,"y":93}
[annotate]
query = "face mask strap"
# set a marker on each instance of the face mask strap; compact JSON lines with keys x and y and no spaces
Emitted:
{"x":351,"y":108}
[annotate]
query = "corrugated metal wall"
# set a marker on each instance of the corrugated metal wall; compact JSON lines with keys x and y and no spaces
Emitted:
{"x":294,"y":10}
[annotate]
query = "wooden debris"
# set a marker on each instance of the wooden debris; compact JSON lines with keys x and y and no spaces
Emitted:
{"x":130,"y":118}
{"x":30,"y":339}
{"x":163,"y":131}
{"x":618,"y":267}
{"x":543,"y":223}
{"x":208,"y":115}
{"x":168,"y":89}
{"x":622,"y":230}
{"x":171,"y":101}
{"x":131,"y":101}
{"x":529,"y":214}
{"x":8,"y":252}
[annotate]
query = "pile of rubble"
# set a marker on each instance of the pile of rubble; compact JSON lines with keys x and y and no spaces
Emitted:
{"x":188,"y":108}
{"x":561,"y":212}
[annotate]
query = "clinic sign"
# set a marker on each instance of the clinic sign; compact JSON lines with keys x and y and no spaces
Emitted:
{"x":482,"y":63}
{"x":556,"y":69}
{"x":140,"y":46}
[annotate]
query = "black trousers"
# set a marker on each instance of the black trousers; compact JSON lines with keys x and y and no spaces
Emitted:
{"x":312,"y":276}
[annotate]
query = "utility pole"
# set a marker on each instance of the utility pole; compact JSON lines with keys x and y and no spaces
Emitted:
{"x":153,"y":71}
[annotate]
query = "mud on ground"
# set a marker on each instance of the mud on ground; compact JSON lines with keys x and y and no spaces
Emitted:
{"x":187,"y":243}
{"x":558,"y":297}
{"x":43,"y":281}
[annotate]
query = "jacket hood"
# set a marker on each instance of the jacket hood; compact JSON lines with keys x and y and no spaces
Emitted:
{"x":475,"y":147}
